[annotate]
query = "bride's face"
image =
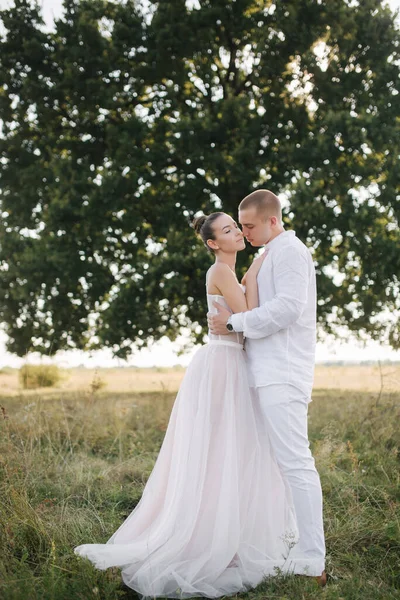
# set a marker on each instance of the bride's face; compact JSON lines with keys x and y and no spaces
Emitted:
{"x":228,"y":236}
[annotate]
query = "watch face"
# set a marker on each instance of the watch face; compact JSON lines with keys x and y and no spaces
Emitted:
{"x":229,"y":327}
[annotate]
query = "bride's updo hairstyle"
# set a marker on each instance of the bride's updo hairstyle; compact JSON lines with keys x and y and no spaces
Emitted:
{"x":203,"y":226}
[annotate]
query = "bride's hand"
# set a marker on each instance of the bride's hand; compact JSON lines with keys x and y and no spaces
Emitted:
{"x":255,"y":266}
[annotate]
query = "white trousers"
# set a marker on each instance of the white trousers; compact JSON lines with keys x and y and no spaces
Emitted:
{"x":284,"y":410}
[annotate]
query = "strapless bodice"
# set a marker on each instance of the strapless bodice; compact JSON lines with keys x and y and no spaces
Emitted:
{"x":234,"y":336}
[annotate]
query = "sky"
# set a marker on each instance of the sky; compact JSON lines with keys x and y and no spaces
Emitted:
{"x":164,"y":353}
{"x":53,"y":8}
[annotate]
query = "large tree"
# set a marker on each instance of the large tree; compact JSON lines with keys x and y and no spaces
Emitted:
{"x":127,"y":119}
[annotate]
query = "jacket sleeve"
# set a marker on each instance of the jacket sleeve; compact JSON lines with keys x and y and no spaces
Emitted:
{"x":291,"y":280}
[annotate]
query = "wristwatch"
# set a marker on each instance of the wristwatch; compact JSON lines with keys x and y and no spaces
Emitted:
{"x":229,"y":325}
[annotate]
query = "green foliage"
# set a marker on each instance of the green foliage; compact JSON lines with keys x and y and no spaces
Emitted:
{"x":121,"y":124}
{"x":36,"y":376}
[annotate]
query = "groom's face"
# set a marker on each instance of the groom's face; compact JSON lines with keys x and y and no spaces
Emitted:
{"x":257,"y":231}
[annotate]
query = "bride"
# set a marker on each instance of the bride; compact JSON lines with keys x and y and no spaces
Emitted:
{"x":215,"y":517}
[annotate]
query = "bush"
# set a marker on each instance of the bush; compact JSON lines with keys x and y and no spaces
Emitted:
{"x":35,"y":376}
{"x":7,"y":371}
{"x":97,"y":383}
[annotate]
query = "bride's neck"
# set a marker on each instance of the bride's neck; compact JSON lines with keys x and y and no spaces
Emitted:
{"x":227,"y":259}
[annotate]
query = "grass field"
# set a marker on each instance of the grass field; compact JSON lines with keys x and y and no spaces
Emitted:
{"x":74,"y":461}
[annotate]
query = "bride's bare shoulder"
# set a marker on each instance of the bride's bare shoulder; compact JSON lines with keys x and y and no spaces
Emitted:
{"x":216,"y":275}
{"x":219,"y":270}
{"x":219,"y":267}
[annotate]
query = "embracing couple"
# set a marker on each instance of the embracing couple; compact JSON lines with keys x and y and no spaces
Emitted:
{"x":234,"y":495}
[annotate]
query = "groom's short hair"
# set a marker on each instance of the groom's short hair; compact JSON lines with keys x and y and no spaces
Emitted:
{"x":265,"y":203}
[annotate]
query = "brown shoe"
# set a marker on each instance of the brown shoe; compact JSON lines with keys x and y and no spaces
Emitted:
{"x":321,"y":579}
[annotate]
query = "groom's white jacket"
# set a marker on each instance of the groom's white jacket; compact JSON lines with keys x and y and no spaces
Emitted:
{"x":281,"y":332}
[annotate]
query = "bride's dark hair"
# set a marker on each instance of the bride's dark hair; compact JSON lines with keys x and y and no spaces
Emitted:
{"x":203,"y":226}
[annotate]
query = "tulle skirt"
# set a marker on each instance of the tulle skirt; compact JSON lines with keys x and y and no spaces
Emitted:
{"x":215,"y":517}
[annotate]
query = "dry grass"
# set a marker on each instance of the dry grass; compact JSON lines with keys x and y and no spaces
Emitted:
{"x":74,"y":461}
{"x":130,"y":380}
{"x":368,"y":378}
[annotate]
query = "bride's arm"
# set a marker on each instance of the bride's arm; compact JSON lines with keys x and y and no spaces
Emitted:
{"x":250,"y":280}
{"x":252,"y":300}
{"x":223,"y":278}
{"x":225,"y":281}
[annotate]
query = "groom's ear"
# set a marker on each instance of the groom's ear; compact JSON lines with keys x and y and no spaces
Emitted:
{"x":274,"y":221}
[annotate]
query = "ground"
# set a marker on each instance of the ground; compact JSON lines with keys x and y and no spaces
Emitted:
{"x":74,"y":460}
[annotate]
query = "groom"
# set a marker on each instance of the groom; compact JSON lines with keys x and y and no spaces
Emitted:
{"x":280,"y":347}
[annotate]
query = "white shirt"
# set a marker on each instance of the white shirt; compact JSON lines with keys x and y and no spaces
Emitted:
{"x":281,"y":332}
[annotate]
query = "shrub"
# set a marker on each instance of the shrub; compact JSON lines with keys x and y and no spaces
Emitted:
{"x":35,"y":376}
{"x":97,"y":383}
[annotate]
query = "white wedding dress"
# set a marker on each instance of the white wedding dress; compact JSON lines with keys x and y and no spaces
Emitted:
{"x":215,"y":516}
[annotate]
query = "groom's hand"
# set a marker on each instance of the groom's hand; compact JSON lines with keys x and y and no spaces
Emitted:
{"x":217,"y":323}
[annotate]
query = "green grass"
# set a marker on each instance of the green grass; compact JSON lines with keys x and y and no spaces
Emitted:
{"x":72,"y":468}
